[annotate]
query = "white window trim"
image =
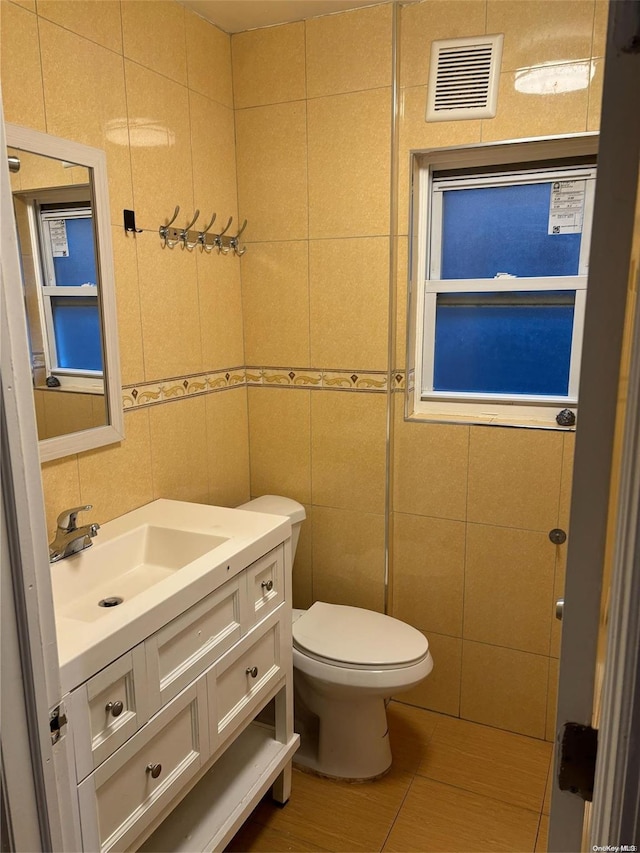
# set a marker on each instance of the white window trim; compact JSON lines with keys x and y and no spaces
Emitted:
{"x":515,"y":410}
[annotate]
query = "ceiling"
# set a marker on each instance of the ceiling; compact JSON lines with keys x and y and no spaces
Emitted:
{"x":234,"y":16}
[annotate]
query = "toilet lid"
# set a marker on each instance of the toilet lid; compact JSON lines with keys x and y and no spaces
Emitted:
{"x":355,"y":636}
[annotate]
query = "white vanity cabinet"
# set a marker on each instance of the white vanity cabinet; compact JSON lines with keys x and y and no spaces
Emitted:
{"x":165,"y":737}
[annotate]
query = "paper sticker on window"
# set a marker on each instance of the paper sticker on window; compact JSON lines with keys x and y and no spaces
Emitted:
{"x":566,"y":208}
{"x":59,"y":244}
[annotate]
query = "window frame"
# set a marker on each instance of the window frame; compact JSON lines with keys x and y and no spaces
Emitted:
{"x":499,"y":164}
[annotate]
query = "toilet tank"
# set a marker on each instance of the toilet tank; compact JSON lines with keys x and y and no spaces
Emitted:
{"x":278,"y":505}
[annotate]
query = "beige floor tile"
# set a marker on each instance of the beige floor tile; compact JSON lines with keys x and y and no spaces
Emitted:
{"x":410,"y":730}
{"x":437,"y":817}
{"x":543,"y":832}
{"x":338,"y":816}
{"x":546,"y":806}
{"x":497,"y":764}
{"x":256,"y":837}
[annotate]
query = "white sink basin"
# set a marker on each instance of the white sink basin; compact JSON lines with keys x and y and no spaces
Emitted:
{"x":156,"y":561}
{"x":97,"y":579}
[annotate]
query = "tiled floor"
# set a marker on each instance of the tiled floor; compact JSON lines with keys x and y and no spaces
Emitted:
{"x":454,"y":786}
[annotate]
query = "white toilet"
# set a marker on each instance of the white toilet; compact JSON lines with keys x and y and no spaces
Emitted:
{"x":347,"y":661}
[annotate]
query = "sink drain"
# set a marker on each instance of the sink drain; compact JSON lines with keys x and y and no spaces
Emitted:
{"x":112,"y":601}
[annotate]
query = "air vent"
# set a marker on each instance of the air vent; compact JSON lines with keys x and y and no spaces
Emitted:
{"x":463,"y":78}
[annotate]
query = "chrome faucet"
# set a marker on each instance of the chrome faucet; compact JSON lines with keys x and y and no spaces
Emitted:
{"x":69,"y":538}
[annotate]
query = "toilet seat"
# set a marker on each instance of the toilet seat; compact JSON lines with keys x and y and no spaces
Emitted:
{"x":354,"y":638}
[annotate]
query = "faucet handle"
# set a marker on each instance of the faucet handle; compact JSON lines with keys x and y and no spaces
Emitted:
{"x":67,"y":519}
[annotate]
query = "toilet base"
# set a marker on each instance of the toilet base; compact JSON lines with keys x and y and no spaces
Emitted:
{"x":342,"y":737}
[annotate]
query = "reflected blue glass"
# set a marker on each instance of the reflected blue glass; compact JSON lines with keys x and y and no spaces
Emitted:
{"x":491,"y":230}
{"x":76,"y":324}
{"x":79,"y":267}
{"x":504,"y":343}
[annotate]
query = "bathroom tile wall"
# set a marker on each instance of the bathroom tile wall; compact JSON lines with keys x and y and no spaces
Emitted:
{"x":472,"y":565}
{"x":149,"y":82}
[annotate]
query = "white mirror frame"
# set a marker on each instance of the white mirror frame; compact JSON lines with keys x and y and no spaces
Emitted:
{"x":35,"y":142}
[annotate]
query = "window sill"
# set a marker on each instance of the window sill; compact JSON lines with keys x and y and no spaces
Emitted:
{"x":474,"y":419}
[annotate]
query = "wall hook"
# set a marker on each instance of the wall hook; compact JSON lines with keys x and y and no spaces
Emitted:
{"x":164,"y":229}
{"x":235,"y":244}
{"x":129,"y":217}
{"x":223,"y":245}
{"x":184,"y":234}
{"x":202,"y":238}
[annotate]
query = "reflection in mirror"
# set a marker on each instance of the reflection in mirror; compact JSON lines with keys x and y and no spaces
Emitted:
{"x":54,"y":217}
{"x":67,"y":282}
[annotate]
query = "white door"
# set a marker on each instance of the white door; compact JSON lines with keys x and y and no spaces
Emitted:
{"x":600,"y":554}
{"x":31,"y":768}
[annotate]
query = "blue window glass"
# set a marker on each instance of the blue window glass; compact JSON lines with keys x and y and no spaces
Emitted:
{"x":79,"y":267}
{"x":76,"y":324}
{"x":504,"y":343}
{"x":491,"y":230}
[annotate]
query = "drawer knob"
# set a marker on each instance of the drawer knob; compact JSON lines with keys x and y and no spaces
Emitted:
{"x":154,"y":769}
{"x":114,"y":708}
{"x":268,"y":585}
{"x":252,"y":671}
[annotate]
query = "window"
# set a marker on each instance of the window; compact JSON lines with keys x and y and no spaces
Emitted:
{"x":500,"y":288}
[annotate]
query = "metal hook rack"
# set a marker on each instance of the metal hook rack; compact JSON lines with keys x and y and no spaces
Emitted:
{"x":189,"y":239}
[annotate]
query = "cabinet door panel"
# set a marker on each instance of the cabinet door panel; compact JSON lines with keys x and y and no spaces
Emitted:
{"x":265,"y":584}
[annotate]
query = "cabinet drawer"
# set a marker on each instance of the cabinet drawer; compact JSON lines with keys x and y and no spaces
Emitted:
{"x":132,"y":787}
{"x":265,"y":584}
{"x":184,"y":648}
{"x":242,"y":678}
{"x":107,"y":710}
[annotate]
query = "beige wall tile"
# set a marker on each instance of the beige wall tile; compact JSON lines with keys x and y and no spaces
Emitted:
{"x":269,"y":65}
{"x":522,"y":115}
{"x":459,"y":820}
{"x":20,"y":67}
{"x":279,"y":434}
{"x":215,"y":187}
{"x":128,"y":305}
{"x":349,"y":149}
{"x":179,"y":450}
{"x":30,"y":5}
{"x":348,"y":558}
{"x":552,"y":701}
{"x":349,"y":52}
{"x":271,"y":151}
{"x":98,"y":22}
{"x":428,"y":573}
{"x":228,"y":447}
{"x":566,"y":482}
{"x":508,"y":587}
{"x":422,"y":23}
{"x":220,"y":300}
{"x":166,"y":52}
{"x":169,"y":310}
{"x":416,"y":133}
{"x":76,"y":113}
{"x":275,"y":302}
{"x":117,"y":479}
{"x":61,"y":488}
{"x":600,"y":21}
{"x":67,"y":413}
{"x":595,"y":96}
{"x":440,"y":691}
{"x":536,"y":33}
{"x":158,"y":116}
{"x":349,"y":293}
{"x":514,"y":477}
{"x":303,"y":564}
{"x":430,"y":467}
{"x":501,"y":765}
{"x":348,"y":440}
{"x":208,"y":59}
{"x":402,"y":287}
{"x":504,"y":688}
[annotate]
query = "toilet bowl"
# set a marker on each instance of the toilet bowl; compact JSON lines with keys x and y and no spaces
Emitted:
{"x":347,"y":662}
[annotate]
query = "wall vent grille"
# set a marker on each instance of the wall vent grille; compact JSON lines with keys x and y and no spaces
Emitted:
{"x":463,"y":78}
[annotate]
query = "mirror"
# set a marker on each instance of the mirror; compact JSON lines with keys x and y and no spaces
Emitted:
{"x":62,"y":221}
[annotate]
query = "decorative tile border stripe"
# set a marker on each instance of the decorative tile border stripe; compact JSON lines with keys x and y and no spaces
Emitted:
{"x":337,"y":380}
{"x":150,"y":393}
{"x":153,"y":393}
